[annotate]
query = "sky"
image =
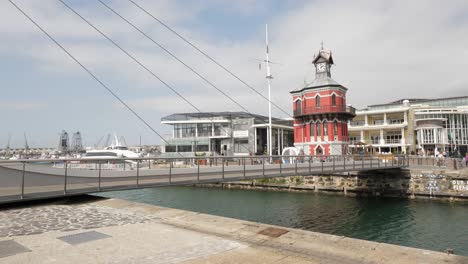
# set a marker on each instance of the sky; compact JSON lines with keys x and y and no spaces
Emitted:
{"x":383,"y":51}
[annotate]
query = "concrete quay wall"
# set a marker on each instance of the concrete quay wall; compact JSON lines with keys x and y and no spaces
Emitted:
{"x":410,"y":183}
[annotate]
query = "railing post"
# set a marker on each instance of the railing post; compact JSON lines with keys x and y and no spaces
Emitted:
{"x":170,"y":171}
{"x":371,"y":162}
{"x":354,"y":163}
{"x":22,"y":180}
{"x":223,"y":168}
{"x":138,"y":174}
{"x":295,"y":167}
{"x":198,"y":170}
{"x":263,"y":166}
{"x":344,"y":162}
{"x":333,"y":158}
{"x":99,"y":176}
{"x":322,"y":161}
{"x":310,"y":165}
{"x":362,"y":161}
{"x":281,"y":168}
{"x":378,"y":161}
{"x":244,"y":166}
{"x":65,"y":178}
{"x":149,"y":164}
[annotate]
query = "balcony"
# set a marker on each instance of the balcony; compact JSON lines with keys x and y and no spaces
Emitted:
{"x":325,"y":109}
{"x":393,"y":141}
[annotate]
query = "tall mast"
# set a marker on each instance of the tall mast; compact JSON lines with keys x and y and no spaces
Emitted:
{"x":26,"y":146}
{"x":268,"y":77}
{"x":8,"y":146}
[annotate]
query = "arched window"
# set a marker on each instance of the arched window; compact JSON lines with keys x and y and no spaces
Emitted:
{"x":325,"y":130}
{"x":317,"y":101}
{"x":312,"y":131}
{"x":299,"y":106}
{"x":319,"y":130}
{"x":335,"y":128}
{"x":333,"y":100}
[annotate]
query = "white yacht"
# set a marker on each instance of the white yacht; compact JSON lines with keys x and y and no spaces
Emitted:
{"x":115,"y":150}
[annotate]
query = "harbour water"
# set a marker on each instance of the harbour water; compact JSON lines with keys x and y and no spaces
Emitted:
{"x":424,"y":224}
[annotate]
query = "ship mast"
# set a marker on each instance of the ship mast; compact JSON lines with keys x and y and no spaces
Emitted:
{"x":268,"y":77}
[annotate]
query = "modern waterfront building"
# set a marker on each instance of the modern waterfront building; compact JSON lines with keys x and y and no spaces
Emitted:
{"x":417,"y":126}
{"x":225,"y":133}
{"x":320,"y":112}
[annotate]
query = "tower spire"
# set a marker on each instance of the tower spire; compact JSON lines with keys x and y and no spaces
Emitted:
{"x":321,"y":44}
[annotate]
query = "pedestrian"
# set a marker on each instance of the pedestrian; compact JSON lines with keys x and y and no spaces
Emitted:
{"x":466,"y":159}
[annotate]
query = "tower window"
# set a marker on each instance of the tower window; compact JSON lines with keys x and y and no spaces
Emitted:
{"x":298,"y":106}
{"x":317,"y":101}
{"x":319,"y":130}
{"x":312,"y":131}
{"x":325,"y":129}
{"x":335,"y":128}
{"x":333,"y":100}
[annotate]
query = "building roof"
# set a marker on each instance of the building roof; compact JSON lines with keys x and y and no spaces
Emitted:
{"x":321,"y":80}
{"x":447,"y":101}
{"x":221,"y":115}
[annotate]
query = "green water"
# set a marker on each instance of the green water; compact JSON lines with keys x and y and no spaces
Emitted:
{"x":431,"y":225}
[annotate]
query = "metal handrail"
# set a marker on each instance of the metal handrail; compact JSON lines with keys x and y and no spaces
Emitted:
{"x":294,"y":165}
{"x":230,"y":158}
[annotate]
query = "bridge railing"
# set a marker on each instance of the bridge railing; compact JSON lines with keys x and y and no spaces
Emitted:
{"x":35,"y":179}
{"x":437,"y":162}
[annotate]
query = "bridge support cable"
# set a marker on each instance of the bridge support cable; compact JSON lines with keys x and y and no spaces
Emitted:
{"x":209,"y":57}
{"x":89,"y":72}
{"x":147,"y":69}
{"x":173,"y":56}
{"x":205,"y":79}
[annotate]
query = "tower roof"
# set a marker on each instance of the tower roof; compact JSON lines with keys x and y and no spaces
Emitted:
{"x":325,"y":55}
{"x":322,"y":79}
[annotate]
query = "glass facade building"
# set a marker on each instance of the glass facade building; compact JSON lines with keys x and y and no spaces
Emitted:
{"x":225,"y":133}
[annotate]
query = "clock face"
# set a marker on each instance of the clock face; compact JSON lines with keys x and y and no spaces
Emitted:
{"x":321,"y":67}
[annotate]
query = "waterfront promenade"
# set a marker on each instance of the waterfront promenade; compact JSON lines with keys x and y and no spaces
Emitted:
{"x":117,"y":231}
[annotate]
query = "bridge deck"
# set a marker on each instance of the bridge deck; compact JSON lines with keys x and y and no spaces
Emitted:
{"x":29,"y":180}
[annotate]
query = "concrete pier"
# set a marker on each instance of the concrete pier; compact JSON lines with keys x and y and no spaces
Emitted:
{"x":117,"y":231}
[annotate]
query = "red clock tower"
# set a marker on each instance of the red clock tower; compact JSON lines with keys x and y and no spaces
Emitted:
{"x":320,"y":112}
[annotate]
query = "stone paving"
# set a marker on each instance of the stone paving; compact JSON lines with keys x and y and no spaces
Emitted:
{"x":40,"y":219}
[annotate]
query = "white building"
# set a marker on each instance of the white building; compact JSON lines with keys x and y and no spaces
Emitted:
{"x":413,"y":126}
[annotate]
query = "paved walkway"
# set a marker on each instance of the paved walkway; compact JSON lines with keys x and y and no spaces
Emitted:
{"x":116,"y":231}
